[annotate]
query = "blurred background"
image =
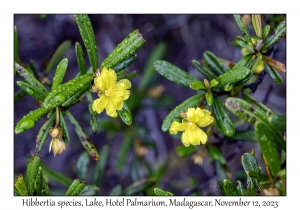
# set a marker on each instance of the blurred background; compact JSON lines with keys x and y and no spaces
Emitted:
{"x":141,"y":150}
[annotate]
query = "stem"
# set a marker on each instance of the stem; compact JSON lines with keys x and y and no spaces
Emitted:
{"x":57,"y":117}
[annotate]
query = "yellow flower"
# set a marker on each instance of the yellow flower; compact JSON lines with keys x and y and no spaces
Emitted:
{"x":112,"y":93}
{"x":57,"y":146}
{"x":192,"y":134}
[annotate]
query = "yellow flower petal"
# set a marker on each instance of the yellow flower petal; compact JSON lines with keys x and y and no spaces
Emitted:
{"x":109,"y":78}
{"x":110,"y":109}
{"x":100,"y":104}
{"x":124,"y":83}
{"x":206,"y":119}
{"x":193,"y":136}
{"x":117,"y":102}
{"x":98,"y":83}
{"x":194,"y":115}
{"x":176,"y":126}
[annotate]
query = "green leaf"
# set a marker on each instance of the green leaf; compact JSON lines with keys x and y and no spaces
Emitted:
{"x":125,"y":75}
{"x":85,"y":140}
{"x":125,"y":63}
{"x":100,"y":166}
{"x":250,"y":164}
{"x":30,"y":119}
{"x":125,"y":49}
{"x":139,"y":186}
{"x":30,"y":79}
{"x":116,"y":191}
{"x":278,"y":33}
{"x":80,"y":58}
{"x":148,"y":72}
{"x":247,"y":135}
{"x":39,"y":182}
{"x":45,"y":188}
{"x":20,"y":186}
{"x":215,"y":154}
{"x":265,"y":31}
{"x":184,"y":151}
{"x":44,"y":133}
{"x":89,"y":190}
{"x":93,"y":114}
{"x":203,"y":70}
{"x":31,"y":90}
{"x":222,"y":119}
{"x":209,"y":98}
{"x":241,"y":189}
{"x":173,"y":73}
{"x":87,"y":34}
{"x":75,"y":188}
{"x":31,"y":173}
{"x":82,"y":166}
{"x":125,"y":114}
{"x":61,"y":50}
{"x":124,"y":149}
{"x":251,"y":114}
{"x":274,"y":74}
{"x":257,"y":175}
{"x":256,"y":103}
{"x":275,"y":64}
{"x":198,"y":85}
{"x":16,"y":46}
{"x":189,"y":103}
{"x":18,"y":95}
{"x":244,"y":61}
{"x":243,"y":44}
{"x":161,"y":192}
{"x":213,"y":63}
{"x":32,"y":69}
{"x":59,"y":73}
{"x":64,"y":127}
{"x":243,"y":29}
{"x":65,"y":91}
{"x":278,"y":121}
{"x":268,"y":147}
{"x":230,"y":189}
{"x":256,"y":22}
{"x":56,"y":176}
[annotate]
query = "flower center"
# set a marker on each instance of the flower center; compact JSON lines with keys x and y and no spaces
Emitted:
{"x":109,"y":92}
{"x":191,"y":125}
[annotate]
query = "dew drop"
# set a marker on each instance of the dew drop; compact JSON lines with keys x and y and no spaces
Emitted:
{"x":228,"y":87}
{"x":86,"y":41}
{"x":29,"y":91}
{"x":89,"y":23}
{"x":60,"y":98}
{"x":27,"y":124}
{"x":84,"y":17}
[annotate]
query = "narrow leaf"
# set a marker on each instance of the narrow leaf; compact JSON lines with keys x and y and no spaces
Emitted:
{"x":60,"y":51}
{"x":19,"y":94}
{"x":247,"y":135}
{"x":20,"y":186}
{"x":213,"y":63}
{"x":39,"y":182}
{"x":93,"y":114}
{"x":203,"y":70}
{"x":82,"y":165}
{"x":31,"y":90}
{"x":75,"y":188}
{"x":16,"y":46}
{"x":125,"y":75}
{"x":125,"y":49}
{"x":161,"y":192}
{"x":56,"y":176}
{"x":80,"y":58}
{"x":251,"y":114}
{"x":85,"y":140}
{"x":45,"y":189}
{"x":274,"y":74}
{"x":241,"y":189}
{"x":173,"y":73}
{"x":44,"y":133}
{"x":76,"y":97}
{"x":30,"y":79}
{"x":148,"y":72}
{"x":278,"y":33}
{"x":31,"y":173}
{"x":189,"y":103}
{"x":243,"y":44}
{"x":215,"y":154}
{"x":60,"y":73}
{"x":89,"y":190}
{"x":31,"y":67}
{"x":243,"y":29}
{"x":250,"y":164}
{"x":100,"y":166}
{"x":139,"y":186}
{"x":278,"y":121}
{"x":64,"y":127}
{"x":125,"y":114}
{"x":256,"y":21}
{"x":184,"y":151}
{"x":116,"y":191}
{"x":230,"y":189}
{"x":275,"y":64}
{"x":124,"y":149}
{"x":268,"y":147}
{"x":257,"y":175}
{"x":125,"y":63}
{"x":30,"y":119}
{"x":265,"y":31}
{"x":198,"y":85}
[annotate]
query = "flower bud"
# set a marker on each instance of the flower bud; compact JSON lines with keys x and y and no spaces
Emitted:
{"x":57,"y":146}
{"x":56,"y":132}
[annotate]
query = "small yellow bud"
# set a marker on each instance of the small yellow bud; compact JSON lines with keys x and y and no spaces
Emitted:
{"x":57,"y":146}
{"x":56,"y":132}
